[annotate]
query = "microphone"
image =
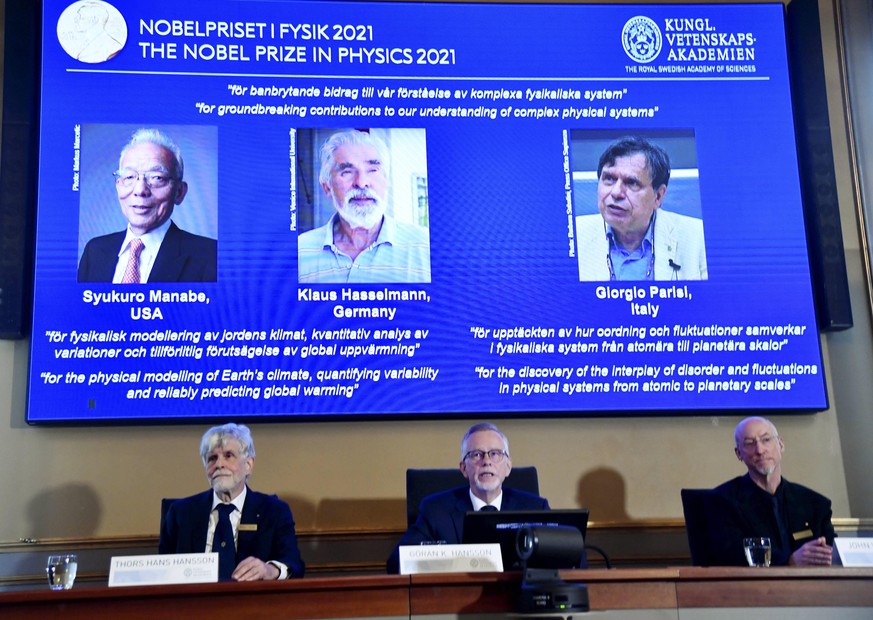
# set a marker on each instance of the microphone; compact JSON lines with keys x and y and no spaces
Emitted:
{"x":673,"y":265}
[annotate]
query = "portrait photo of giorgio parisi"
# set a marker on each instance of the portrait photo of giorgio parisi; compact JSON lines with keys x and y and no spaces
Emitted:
{"x":367,"y":221}
{"x":638,"y":211}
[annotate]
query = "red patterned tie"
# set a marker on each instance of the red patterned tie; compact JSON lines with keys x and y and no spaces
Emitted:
{"x":131,"y":272}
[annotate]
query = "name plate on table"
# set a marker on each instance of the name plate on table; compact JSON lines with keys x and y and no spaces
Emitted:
{"x":418,"y":559}
{"x":153,"y":570}
{"x":855,"y":551}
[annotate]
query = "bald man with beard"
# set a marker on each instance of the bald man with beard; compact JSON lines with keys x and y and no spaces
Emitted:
{"x":763,"y":503}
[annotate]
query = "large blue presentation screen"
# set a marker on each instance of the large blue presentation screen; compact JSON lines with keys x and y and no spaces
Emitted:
{"x":406,"y":209}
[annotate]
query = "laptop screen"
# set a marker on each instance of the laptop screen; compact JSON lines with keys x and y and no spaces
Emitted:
{"x":502,"y":527}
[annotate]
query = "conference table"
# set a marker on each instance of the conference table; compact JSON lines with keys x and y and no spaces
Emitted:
{"x":682,"y":593}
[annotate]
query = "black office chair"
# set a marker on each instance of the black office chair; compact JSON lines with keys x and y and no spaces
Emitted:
{"x":165,"y":506}
{"x":701,"y":507}
{"x":423,"y":482}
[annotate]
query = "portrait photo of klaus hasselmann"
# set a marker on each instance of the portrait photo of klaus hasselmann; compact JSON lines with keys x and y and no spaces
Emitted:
{"x":148,"y":209}
{"x":369,"y":215}
{"x":637,"y":205}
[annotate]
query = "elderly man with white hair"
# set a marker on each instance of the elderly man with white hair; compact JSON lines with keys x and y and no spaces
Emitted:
{"x":252,"y":532}
{"x":361,"y":242}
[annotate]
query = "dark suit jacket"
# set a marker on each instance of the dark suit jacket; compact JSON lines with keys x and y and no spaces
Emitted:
{"x":743,"y":509}
{"x":183,"y":257}
{"x":274,"y":538}
{"x":441,"y":517}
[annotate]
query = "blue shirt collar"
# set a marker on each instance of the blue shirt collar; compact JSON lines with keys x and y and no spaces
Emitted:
{"x":648,"y":240}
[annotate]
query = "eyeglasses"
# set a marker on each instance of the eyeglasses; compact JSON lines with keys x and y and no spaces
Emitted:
{"x":155,"y":179}
{"x":477,"y":456}
{"x":766,"y":441}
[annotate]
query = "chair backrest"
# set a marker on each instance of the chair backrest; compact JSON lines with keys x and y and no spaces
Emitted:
{"x":165,"y":506}
{"x":700,"y":506}
{"x":423,"y":482}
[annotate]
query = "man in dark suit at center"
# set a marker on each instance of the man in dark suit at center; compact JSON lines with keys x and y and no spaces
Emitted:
{"x":259,"y":537}
{"x":485,"y":463}
{"x":149,"y":183}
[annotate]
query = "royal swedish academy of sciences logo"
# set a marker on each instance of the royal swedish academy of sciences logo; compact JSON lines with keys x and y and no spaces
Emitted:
{"x":641,"y":39}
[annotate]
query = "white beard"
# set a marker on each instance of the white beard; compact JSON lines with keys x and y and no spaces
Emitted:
{"x":364,"y":216}
{"x":766,"y":471}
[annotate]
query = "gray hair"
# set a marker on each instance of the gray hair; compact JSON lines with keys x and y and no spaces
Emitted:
{"x":217,"y":435}
{"x":156,"y":136}
{"x":478,"y":428}
{"x":349,"y":136}
{"x":750,"y":419}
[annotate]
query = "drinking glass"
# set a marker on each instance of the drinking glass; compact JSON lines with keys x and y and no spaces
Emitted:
{"x":61,"y":571}
{"x":757,"y":551}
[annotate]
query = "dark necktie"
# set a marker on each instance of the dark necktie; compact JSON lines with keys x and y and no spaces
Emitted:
{"x":488,"y":508}
{"x":222,"y":542}
{"x":784,"y":541}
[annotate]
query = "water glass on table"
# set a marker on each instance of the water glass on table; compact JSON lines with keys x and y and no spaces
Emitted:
{"x":61,"y":571}
{"x":757,"y":551}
